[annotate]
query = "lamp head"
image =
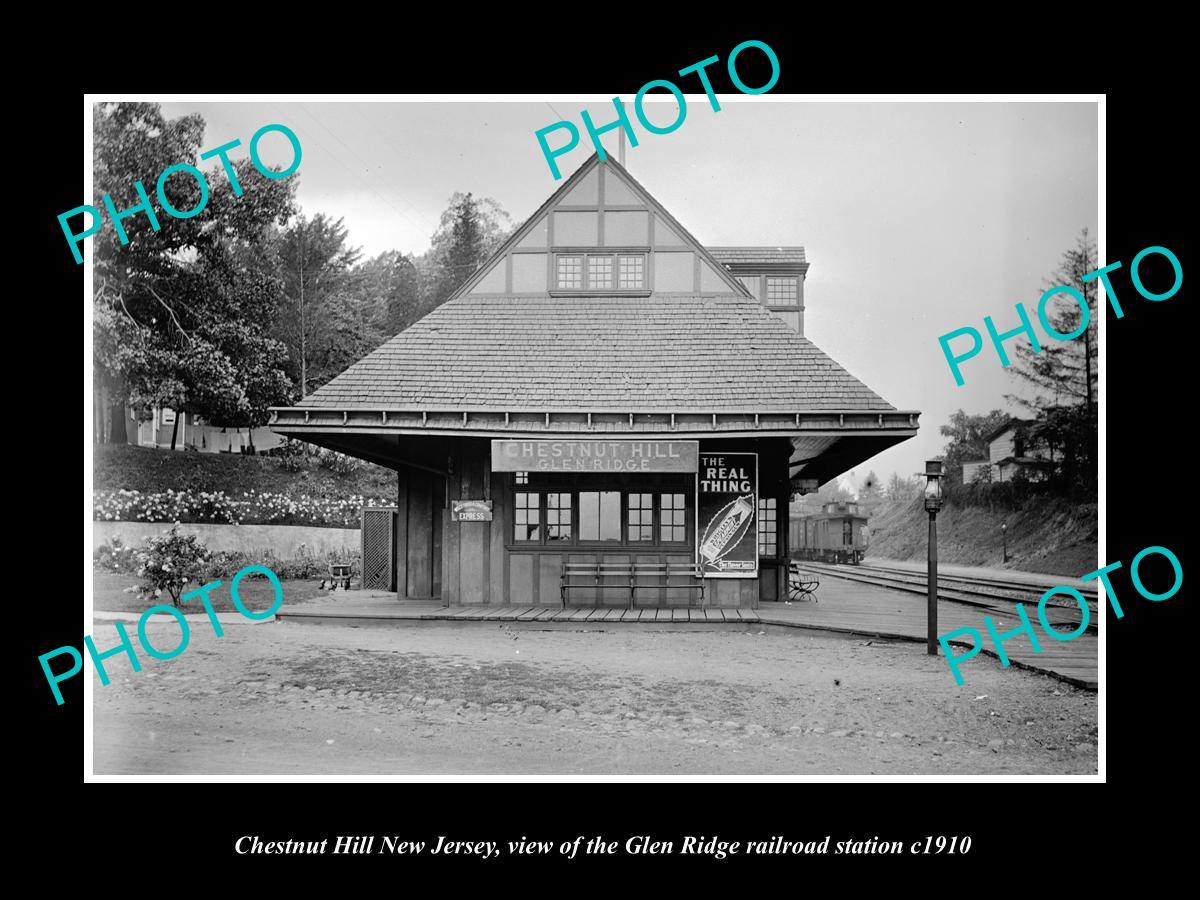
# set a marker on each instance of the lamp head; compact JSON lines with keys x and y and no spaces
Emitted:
{"x":933,"y":484}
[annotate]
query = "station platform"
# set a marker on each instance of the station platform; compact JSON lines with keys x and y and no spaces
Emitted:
{"x":374,"y":605}
{"x":842,"y":607}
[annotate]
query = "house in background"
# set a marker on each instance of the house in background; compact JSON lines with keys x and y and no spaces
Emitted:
{"x":195,"y":434}
{"x":1012,"y":449}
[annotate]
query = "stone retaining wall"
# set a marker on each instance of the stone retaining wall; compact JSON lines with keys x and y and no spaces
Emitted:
{"x":282,"y":540}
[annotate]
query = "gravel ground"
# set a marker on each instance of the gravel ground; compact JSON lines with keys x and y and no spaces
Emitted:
{"x":293,"y":699}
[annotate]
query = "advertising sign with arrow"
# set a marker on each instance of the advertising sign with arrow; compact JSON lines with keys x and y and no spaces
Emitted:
{"x":727,"y":507}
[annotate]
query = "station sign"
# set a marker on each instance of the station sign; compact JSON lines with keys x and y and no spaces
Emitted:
{"x":594,"y":456}
{"x":470,"y":510}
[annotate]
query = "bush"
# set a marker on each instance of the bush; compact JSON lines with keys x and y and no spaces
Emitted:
{"x":170,"y":562}
{"x":116,"y":557}
{"x":338,"y":463}
{"x":1013,"y":494}
{"x":223,"y":564}
{"x":293,"y":455}
{"x":297,"y":456}
{"x":303,"y":566}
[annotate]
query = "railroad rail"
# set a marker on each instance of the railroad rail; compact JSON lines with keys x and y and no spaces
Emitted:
{"x":992,"y":594}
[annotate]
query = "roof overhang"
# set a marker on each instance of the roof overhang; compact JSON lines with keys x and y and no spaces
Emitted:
{"x":825,"y":443}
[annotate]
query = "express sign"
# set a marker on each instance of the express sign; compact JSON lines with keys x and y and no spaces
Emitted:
{"x":595,"y":456}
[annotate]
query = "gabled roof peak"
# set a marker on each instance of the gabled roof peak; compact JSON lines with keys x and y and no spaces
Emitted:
{"x":630,"y":187}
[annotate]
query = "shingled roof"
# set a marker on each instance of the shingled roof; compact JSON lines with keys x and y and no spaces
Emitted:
{"x":758,"y":255}
{"x":671,"y":353}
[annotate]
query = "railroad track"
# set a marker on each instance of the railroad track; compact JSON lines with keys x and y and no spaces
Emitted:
{"x":991,"y":594}
{"x":975,"y":582}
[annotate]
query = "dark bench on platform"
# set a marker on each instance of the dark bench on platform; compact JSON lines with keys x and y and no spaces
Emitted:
{"x":801,"y":585}
{"x":577,"y":575}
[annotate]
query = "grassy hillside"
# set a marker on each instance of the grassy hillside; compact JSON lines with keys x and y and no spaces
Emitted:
{"x":1049,"y":535}
{"x":120,"y":466}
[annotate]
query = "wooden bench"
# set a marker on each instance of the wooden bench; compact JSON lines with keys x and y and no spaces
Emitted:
{"x":633,"y":575}
{"x":801,"y":585}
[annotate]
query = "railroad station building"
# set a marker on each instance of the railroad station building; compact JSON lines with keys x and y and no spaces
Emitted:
{"x":604,"y":395}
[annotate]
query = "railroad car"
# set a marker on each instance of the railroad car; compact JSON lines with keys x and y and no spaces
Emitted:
{"x":837,"y":534}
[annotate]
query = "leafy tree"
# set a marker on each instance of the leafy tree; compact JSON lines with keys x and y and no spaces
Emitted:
{"x":1065,"y":372}
{"x":1070,"y":433}
{"x":903,"y":489}
{"x":348,"y":333}
{"x":1065,"y":376}
{"x":398,"y":285}
{"x":968,"y":439}
{"x":116,"y":348}
{"x":469,"y":232}
{"x":315,"y":264}
{"x":870,"y":493}
{"x":181,"y":314}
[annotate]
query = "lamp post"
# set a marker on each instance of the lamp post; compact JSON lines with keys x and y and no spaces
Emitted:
{"x":933,"y":502}
{"x":1004,"y":537}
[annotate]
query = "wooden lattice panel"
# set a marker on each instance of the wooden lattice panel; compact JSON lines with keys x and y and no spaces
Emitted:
{"x":378,"y":539}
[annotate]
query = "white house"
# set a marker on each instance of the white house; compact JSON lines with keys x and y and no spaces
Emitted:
{"x":1011,"y":449}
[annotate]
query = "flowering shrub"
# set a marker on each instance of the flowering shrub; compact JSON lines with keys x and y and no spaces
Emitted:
{"x":116,"y":557}
{"x":252,"y":508}
{"x":164,"y":506}
{"x":170,"y":562}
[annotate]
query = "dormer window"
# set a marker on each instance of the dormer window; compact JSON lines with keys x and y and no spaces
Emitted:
{"x":600,"y":272}
{"x":783,"y":291}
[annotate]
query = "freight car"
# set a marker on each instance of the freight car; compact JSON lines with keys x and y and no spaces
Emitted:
{"x":837,"y":534}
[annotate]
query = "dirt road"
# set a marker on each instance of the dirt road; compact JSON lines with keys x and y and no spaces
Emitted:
{"x":291,"y":699}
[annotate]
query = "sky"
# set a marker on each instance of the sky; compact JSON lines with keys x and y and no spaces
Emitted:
{"x":917,"y":218}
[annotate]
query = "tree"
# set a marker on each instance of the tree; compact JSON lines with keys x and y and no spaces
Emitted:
{"x":116,"y":346}
{"x":870,"y":493}
{"x":1070,"y":433}
{"x":968,"y":439}
{"x":901,"y":489}
{"x":1065,"y":372}
{"x":347,"y":333}
{"x":469,"y":232}
{"x":315,"y":264}
{"x":181,"y":314}
{"x":391,"y":288}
